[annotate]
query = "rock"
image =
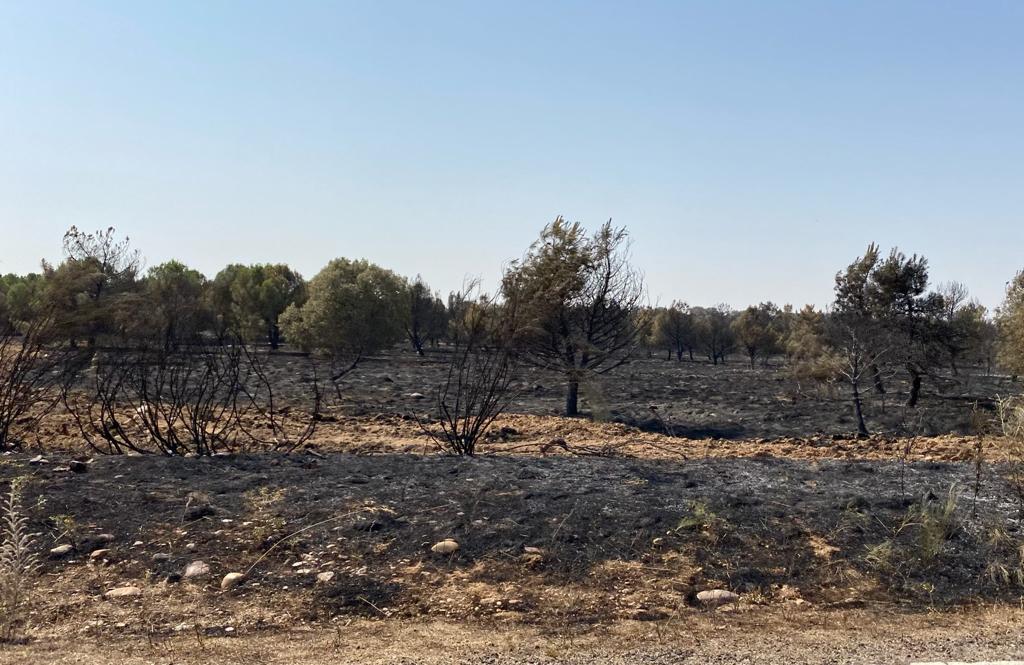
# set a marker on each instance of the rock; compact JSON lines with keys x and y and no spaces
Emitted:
{"x":104,"y":538}
{"x":160,"y":557}
{"x":195,"y":569}
{"x":446,"y":546}
{"x":716,"y":597}
{"x":231,"y":580}
{"x":191,"y":547}
{"x":416,"y":396}
{"x":325,"y":578}
{"x":37,"y":460}
{"x":533,"y":550}
{"x":61,"y":551}
{"x":99,"y":554}
{"x":124,"y":592}
{"x":78,"y":466}
{"x":658,"y":542}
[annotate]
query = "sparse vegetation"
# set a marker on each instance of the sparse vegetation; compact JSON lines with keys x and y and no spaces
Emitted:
{"x":169,"y":364}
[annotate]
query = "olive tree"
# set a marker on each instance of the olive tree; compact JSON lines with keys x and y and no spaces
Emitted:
{"x":354,"y":308}
{"x":580,"y":299}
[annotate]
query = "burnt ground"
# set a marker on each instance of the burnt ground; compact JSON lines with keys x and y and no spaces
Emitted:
{"x":546,"y":541}
{"x":568,"y":529}
{"x":695,"y":400}
{"x":386,"y":398}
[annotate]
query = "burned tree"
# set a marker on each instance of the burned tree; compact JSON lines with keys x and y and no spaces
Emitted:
{"x":150,"y":399}
{"x":860,"y":340}
{"x":481,"y":371}
{"x":426,"y":318}
{"x":580,"y":298}
{"x":32,"y":370}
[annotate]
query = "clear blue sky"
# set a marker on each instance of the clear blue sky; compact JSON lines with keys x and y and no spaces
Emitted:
{"x":752,"y":148}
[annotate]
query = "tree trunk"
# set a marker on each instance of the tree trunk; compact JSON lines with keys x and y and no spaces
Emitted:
{"x":876,"y":377}
{"x":858,"y":410}
{"x":691,"y":355}
{"x":915,"y":387}
{"x":572,"y":396}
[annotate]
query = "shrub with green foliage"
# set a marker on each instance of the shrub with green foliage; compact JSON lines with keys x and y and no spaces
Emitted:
{"x":353,"y":309}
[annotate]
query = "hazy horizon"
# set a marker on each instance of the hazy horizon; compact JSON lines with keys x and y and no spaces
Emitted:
{"x":752,"y":150}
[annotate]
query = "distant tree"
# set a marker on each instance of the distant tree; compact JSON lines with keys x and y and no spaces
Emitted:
{"x":713,"y":328}
{"x":249,"y":300}
{"x":859,"y":338}
{"x":1011,"y":326}
{"x":782,"y":325}
{"x":427,"y":319}
{"x":353,"y":309}
{"x":20,"y":299}
{"x":754,"y":330}
{"x":961,"y":322}
{"x":172,"y":306}
{"x":987,"y":351}
{"x":674,"y":330}
{"x":87,"y":289}
{"x":581,"y":298}
{"x":897,"y":289}
{"x":806,"y":346}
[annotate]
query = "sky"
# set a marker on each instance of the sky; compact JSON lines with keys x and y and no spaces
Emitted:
{"x":752,"y":149}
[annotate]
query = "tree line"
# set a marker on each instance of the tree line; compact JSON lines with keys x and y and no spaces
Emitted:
{"x":573,"y":303}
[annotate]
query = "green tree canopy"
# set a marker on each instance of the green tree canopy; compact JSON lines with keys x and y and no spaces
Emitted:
{"x":354,"y":308}
{"x":580,"y":299}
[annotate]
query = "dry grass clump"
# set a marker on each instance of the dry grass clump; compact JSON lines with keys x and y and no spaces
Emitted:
{"x":1011,"y":417}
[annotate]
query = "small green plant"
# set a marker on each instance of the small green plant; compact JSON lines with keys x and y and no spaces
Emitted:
{"x":698,"y":517}
{"x":66,"y":527}
{"x":266,"y":523}
{"x":881,"y":556}
{"x":917,"y":540}
{"x":936,"y":522}
{"x":18,"y":562}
